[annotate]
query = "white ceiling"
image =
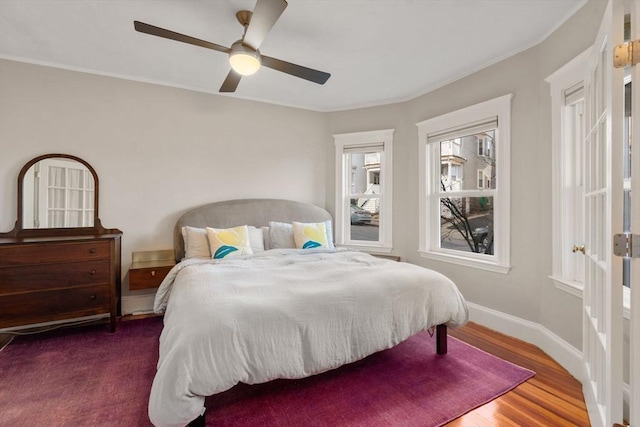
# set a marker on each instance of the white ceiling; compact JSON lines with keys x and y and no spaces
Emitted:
{"x":377,"y":51}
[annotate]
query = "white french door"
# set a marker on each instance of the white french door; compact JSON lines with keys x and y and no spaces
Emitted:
{"x":611,"y":173}
{"x":633,"y":227}
{"x":603,"y":148}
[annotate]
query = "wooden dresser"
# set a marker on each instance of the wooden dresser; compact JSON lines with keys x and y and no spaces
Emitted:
{"x":58,"y":264}
{"x":45,"y":279}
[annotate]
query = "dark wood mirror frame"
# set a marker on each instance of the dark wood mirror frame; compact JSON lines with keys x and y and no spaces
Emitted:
{"x":20,"y":231}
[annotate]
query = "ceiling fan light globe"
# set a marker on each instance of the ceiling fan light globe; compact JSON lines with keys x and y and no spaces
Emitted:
{"x":245,"y":64}
{"x":244,"y":60}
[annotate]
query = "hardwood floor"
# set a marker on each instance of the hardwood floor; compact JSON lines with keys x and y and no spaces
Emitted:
{"x":551,"y":398}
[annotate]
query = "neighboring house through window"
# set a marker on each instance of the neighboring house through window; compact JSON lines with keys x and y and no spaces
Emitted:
{"x":464,"y":186}
{"x":363,"y":190}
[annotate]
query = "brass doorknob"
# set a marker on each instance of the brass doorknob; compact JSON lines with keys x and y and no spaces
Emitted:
{"x":578,"y":249}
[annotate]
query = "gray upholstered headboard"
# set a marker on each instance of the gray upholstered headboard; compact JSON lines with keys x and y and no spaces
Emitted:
{"x":256,"y":212}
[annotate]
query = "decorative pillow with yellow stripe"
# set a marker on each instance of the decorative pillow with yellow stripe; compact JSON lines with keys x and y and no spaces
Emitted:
{"x":308,"y":235}
{"x":225,"y":242}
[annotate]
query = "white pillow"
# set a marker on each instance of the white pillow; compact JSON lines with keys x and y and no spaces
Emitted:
{"x":281,"y":235}
{"x":225,"y":242}
{"x":196,"y":242}
{"x":256,"y":239}
{"x":309,"y":235}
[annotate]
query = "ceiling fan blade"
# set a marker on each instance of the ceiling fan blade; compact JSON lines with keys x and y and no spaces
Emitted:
{"x":264,"y":16}
{"x":231,"y":82}
{"x":310,"y":74}
{"x":172,"y":35}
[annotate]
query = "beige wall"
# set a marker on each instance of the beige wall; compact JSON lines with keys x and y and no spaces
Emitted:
{"x":525,"y":292}
{"x":159,"y":151}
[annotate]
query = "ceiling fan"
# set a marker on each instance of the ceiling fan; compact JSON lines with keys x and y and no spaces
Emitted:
{"x":244,"y":56}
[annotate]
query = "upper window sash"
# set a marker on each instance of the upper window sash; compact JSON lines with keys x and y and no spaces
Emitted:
{"x":459,"y":131}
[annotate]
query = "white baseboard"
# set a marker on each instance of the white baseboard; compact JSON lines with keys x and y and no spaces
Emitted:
{"x":137,"y":304}
{"x":561,"y":351}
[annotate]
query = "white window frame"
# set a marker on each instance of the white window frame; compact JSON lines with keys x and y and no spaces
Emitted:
{"x":429,"y":245}
{"x":568,"y":76}
{"x":562,"y":79}
{"x":343,"y":170}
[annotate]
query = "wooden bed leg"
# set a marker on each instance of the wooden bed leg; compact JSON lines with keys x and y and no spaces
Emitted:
{"x":198,"y":422}
{"x":441,"y":339}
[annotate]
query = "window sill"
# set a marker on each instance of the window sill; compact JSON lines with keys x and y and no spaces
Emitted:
{"x":569,"y":286}
{"x":467,"y":262}
{"x":366,"y":248}
{"x":577,"y":289}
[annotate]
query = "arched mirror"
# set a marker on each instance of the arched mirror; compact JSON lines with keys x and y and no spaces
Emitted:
{"x":57,"y":192}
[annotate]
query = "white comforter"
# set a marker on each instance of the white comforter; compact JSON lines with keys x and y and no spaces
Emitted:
{"x":284,"y":313}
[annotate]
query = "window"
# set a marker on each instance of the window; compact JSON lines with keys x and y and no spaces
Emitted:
{"x":567,"y":121}
{"x":363,"y":190}
{"x":464,"y":192}
{"x":480,"y":178}
{"x":567,"y":181}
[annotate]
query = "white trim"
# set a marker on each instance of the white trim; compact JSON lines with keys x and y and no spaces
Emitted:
{"x":467,"y":261}
{"x":342,"y":217}
{"x":566,"y":77}
{"x":429,"y":246}
{"x":561,"y":351}
{"x":569,"y":357}
{"x":137,"y":304}
{"x":571,"y":287}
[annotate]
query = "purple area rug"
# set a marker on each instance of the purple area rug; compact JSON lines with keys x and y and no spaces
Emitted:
{"x":89,"y":377}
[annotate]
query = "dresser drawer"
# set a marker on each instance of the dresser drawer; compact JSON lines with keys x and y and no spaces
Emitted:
{"x":43,"y":277}
{"x":53,"y":252}
{"x":147,"y":278}
{"x":45,"y":306}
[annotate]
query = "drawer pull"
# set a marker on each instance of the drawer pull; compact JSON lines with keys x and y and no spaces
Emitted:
{"x":92,"y":250}
{"x":92,"y":296}
{"x":153,"y":273}
{"x":92,"y":272}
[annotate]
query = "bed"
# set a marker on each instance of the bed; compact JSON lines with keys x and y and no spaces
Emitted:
{"x":277,"y":311}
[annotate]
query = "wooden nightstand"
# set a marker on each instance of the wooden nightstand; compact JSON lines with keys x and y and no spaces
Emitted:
{"x":149,"y":268}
